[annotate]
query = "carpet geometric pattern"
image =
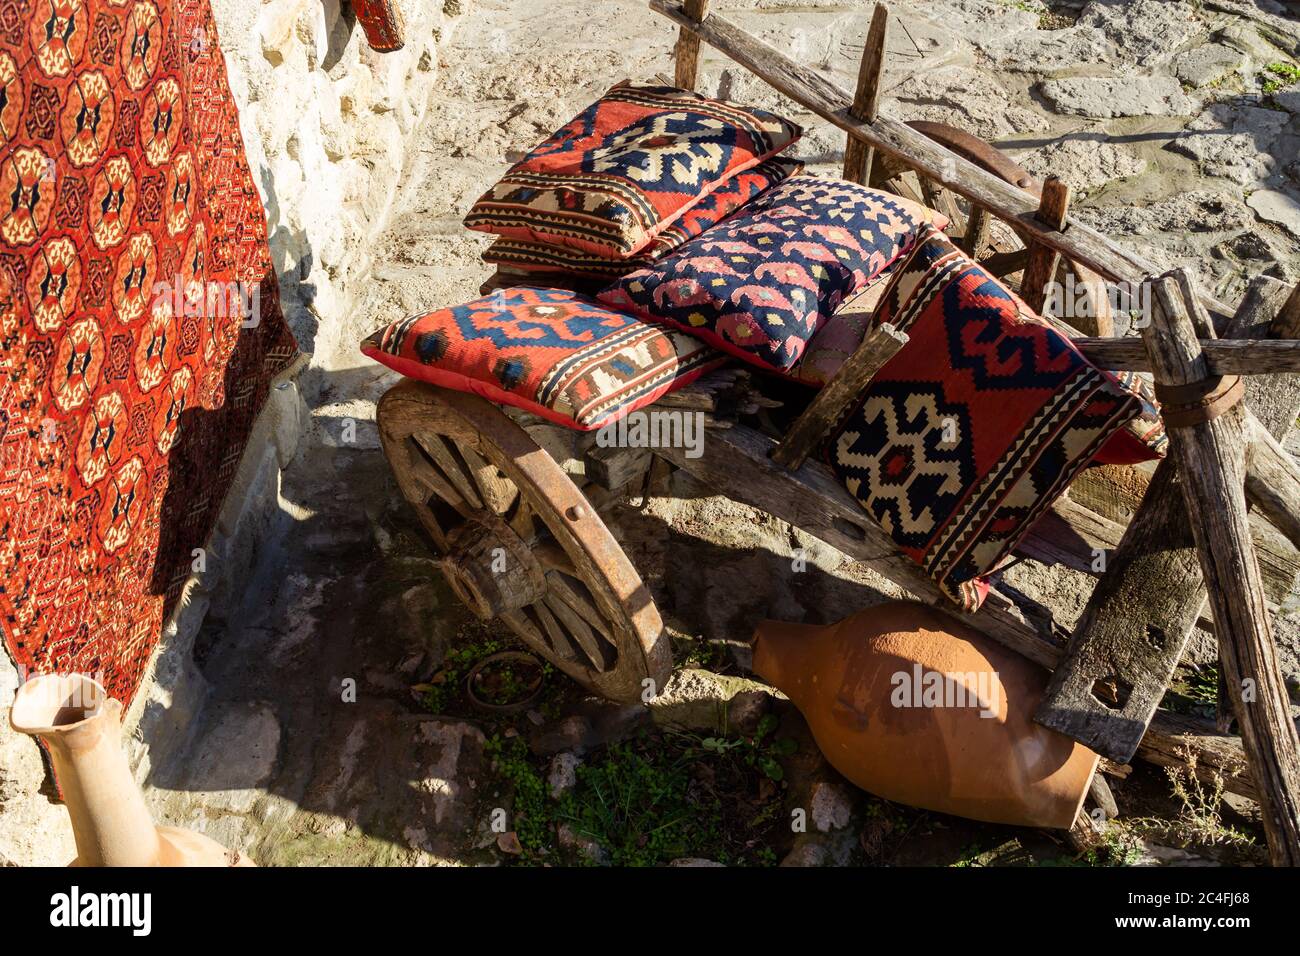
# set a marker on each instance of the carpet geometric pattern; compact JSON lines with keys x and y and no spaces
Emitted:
{"x":550,"y":351}
{"x":760,"y":284}
{"x":963,"y":438}
{"x":625,"y":168}
{"x":139,"y":322}
{"x":526,"y":256}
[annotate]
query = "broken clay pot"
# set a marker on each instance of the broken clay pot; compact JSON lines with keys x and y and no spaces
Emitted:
{"x":82,"y":729}
{"x":918,"y":708}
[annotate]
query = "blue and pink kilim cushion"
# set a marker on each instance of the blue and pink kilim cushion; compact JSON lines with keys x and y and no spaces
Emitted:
{"x":525,"y":256}
{"x":625,"y":168}
{"x":550,"y":351}
{"x":761,"y":283}
{"x":971,"y":431}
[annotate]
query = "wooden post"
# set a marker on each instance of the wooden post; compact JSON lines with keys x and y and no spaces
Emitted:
{"x":977,"y":231}
{"x":1211,"y":455}
{"x":836,"y":397}
{"x":1153,"y":584}
{"x":687,"y":66}
{"x":1053,"y":208}
{"x":866,"y":101}
{"x":1287,"y":323}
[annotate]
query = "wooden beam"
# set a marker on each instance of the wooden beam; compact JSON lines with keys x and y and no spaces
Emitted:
{"x":686,"y":68}
{"x":1222,"y":356}
{"x":1133,"y":630}
{"x":835,"y":398}
{"x":1053,"y":210}
{"x":810,"y":89}
{"x":1072,"y":533}
{"x":1211,"y":456}
{"x":866,"y":101}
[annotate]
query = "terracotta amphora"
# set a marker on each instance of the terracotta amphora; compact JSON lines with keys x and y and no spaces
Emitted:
{"x":82,"y":728}
{"x":915,"y":707}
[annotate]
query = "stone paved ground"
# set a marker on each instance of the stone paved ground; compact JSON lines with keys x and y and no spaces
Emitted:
{"x":1164,"y":116}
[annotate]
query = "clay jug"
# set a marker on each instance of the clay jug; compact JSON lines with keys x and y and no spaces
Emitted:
{"x":918,"y":708}
{"x":82,"y":728}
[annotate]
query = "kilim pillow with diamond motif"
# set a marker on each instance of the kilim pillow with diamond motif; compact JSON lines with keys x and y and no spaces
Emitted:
{"x":550,"y":351}
{"x":626,"y":168}
{"x":760,"y":284}
{"x":525,"y":256}
{"x":971,"y":431}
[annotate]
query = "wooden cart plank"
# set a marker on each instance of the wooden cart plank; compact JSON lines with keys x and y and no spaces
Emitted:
{"x":1133,"y":631}
{"x":1222,"y":356}
{"x":686,"y":67}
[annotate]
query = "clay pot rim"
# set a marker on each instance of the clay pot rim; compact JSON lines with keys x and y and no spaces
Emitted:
{"x":31,"y":687}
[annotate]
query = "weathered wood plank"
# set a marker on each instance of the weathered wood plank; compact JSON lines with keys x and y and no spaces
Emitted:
{"x":866,"y":100}
{"x":1273,"y":482}
{"x":1133,"y":630}
{"x":805,"y":86}
{"x":1211,"y":456}
{"x":617,"y":468}
{"x":1053,"y":210}
{"x":1222,"y":356}
{"x":686,"y":66}
{"x":879,"y":346}
{"x":1172,"y":738}
{"x":1287,"y":325}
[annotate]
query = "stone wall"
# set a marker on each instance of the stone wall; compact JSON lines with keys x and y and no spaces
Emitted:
{"x":329,"y":129}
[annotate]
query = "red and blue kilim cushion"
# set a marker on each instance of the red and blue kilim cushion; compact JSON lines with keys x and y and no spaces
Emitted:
{"x":760,"y":284}
{"x":527,"y":256}
{"x":626,"y":168}
{"x":971,"y":431}
{"x":550,"y":351}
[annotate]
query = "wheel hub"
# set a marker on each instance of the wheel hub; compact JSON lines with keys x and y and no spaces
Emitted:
{"x":490,"y":568}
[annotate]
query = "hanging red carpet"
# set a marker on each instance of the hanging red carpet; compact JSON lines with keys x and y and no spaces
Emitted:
{"x":139,"y":322}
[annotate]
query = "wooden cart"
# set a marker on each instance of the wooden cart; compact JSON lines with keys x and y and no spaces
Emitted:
{"x":520,"y":536}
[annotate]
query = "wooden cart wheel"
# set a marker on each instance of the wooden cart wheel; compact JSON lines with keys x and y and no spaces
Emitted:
{"x":517,"y":540}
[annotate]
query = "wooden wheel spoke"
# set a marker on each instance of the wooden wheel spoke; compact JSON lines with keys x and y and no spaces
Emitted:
{"x":497,"y":491}
{"x":488,"y":493}
{"x":581,"y":633}
{"x":521,"y":520}
{"x":552,"y":557}
{"x":451,"y":465}
{"x":574,"y":593}
{"x":555,"y":632}
{"x":432,"y":479}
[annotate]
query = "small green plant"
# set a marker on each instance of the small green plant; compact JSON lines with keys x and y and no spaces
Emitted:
{"x":1199,"y":821}
{"x":1283,"y":75}
{"x":532,"y":815}
{"x":757,"y":751}
{"x":641,"y":809}
{"x":1119,"y":846}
